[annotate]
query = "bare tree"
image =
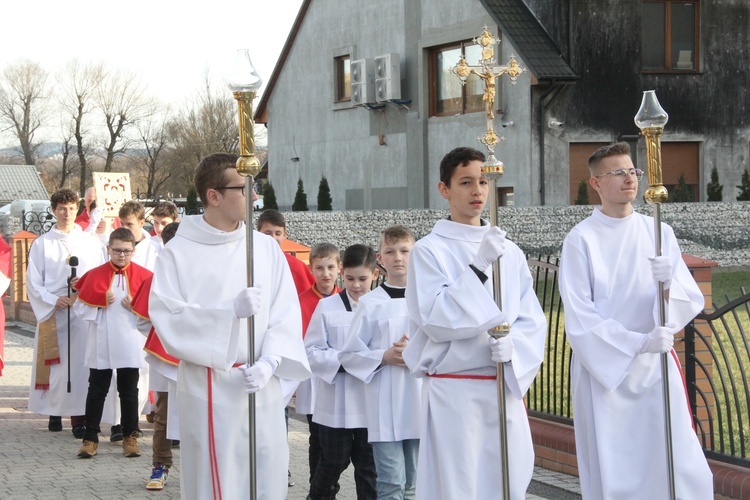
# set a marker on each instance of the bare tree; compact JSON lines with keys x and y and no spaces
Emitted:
{"x":154,"y":164}
{"x":23,"y":94}
{"x":77,"y":85}
{"x":122,"y":101}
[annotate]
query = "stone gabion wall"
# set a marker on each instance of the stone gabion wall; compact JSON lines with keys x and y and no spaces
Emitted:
{"x":715,"y":231}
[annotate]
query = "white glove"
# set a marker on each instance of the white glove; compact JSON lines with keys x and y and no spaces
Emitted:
{"x":257,"y":376}
{"x":247,"y":302}
{"x":491,"y":248}
{"x":661,"y":270}
{"x":95,"y":217}
{"x":502,"y":348}
{"x":659,"y":340}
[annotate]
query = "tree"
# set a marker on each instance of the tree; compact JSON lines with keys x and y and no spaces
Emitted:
{"x":300,"y":198}
{"x":714,"y":189}
{"x":23,"y":88}
{"x":122,"y":101}
{"x":583,"y":193}
{"x":683,"y":192}
{"x":325,"y":202}
{"x":269,"y":197}
{"x":192,"y":207}
{"x":744,"y":187}
{"x":155,"y":140}
{"x":76,"y":89}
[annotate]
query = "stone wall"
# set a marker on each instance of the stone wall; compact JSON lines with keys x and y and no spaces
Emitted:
{"x":714,"y":231}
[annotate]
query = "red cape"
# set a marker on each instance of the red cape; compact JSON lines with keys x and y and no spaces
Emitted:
{"x":140,"y":308}
{"x":5,"y":255}
{"x":93,"y":286}
{"x":303,"y":278}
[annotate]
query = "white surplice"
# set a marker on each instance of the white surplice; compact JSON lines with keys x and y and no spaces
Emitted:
{"x":451,"y":311}
{"x":392,"y":395}
{"x":197,"y":278}
{"x":46,"y":280}
{"x":610,"y":303}
{"x":339,"y":397}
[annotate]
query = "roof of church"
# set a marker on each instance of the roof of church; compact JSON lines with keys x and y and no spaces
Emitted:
{"x":526,"y":33}
{"x":21,"y":182}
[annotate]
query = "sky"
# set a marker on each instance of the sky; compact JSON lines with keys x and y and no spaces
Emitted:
{"x":170,"y":44}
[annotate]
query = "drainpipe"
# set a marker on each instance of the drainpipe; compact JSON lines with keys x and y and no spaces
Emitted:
{"x":544,"y":106}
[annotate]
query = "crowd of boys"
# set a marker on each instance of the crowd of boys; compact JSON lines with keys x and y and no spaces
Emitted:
{"x":399,"y":380}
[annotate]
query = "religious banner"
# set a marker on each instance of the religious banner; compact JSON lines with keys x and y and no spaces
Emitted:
{"x":112,"y":190}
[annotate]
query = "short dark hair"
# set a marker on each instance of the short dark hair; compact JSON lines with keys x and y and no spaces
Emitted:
{"x":166,"y":209}
{"x":359,"y":255}
{"x":122,"y":234}
{"x":63,"y":196}
{"x":209,"y":173}
{"x":273,"y":217}
{"x":616,"y":149}
{"x":133,"y":208}
{"x":396,"y":233}
{"x":459,"y":157}
{"x":169,"y":231}
{"x":323,"y":250}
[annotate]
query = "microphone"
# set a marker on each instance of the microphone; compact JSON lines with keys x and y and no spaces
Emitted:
{"x":73,"y":262}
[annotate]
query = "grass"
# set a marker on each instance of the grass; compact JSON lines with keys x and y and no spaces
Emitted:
{"x":729,"y":283}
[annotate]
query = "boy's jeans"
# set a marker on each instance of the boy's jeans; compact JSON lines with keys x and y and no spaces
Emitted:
{"x":396,"y":463}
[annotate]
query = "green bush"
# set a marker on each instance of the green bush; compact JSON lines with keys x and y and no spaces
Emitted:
{"x":300,"y":198}
{"x":715,"y":189}
{"x":583,"y":193}
{"x":325,"y":202}
{"x":269,"y":197}
{"x":744,"y":187}
{"x":683,"y":192}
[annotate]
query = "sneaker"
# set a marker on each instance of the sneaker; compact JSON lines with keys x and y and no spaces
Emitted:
{"x":55,"y":424}
{"x":130,"y":446}
{"x":79,"y":431}
{"x":290,"y":483}
{"x":115,"y":434}
{"x":88,"y":449}
{"x":158,"y":478}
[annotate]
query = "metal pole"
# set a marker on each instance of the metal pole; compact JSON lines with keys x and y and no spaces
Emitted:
{"x":498,"y":332}
{"x":249,"y":166}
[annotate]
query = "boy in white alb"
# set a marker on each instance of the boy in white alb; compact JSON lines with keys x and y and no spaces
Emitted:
{"x":609,"y":289}
{"x":199,"y":304}
{"x":114,"y":342}
{"x":340,"y":399}
{"x":373,"y":354}
{"x":451,"y":306}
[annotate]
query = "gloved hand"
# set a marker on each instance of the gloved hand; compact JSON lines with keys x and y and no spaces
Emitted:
{"x":659,"y":340}
{"x":257,"y":376}
{"x":661,"y":270}
{"x":247,"y":302}
{"x":502,"y":348}
{"x":491,"y":248}
{"x":95,"y":217}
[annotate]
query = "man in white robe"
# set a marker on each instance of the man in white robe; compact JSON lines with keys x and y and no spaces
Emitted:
{"x":199,"y":304}
{"x":449,"y":295}
{"x":609,"y":290}
{"x":47,"y":287}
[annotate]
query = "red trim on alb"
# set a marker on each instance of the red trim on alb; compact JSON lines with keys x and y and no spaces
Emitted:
{"x":212,"y":458}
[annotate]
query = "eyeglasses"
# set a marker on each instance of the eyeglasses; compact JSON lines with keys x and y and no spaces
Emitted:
{"x":242,"y":188}
{"x":119,"y":251}
{"x":622,"y":173}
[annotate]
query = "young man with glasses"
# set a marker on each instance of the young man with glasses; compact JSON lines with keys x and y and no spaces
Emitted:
{"x":114,"y":342}
{"x":199,"y":304}
{"x":608,"y":283}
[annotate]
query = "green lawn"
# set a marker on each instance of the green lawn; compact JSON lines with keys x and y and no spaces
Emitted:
{"x":729,"y":283}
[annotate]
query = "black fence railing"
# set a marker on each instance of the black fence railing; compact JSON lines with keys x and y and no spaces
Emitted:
{"x":717,"y":357}
{"x":37,"y":222}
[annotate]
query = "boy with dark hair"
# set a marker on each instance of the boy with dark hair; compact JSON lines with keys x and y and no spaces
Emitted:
{"x":163,"y":376}
{"x":339,"y":403}
{"x":133,"y":216}
{"x":609,"y":285}
{"x":49,"y":270}
{"x":373,"y":354}
{"x":272,"y":223}
{"x":163,"y":214}
{"x":325,"y":263}
{"x":200,"y":312}
{"x":451,"y":306}
{"x":114,"y":343}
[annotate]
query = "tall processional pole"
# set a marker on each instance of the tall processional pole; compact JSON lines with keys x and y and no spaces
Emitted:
{"x":493,"y":169}
{"x":244,"y":84}
{"x":651,"y":119}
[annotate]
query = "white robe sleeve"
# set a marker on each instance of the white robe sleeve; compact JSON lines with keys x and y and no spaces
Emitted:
{"x":685,"y":297}
{"x":324,"y":360}
{"x":603,"y":346}
{"x":41,"y":299}
{"x":357,"y":356}
{"x":447,"y":309}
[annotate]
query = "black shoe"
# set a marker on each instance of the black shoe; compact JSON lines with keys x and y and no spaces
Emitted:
{"x":55,"y":424}
{"x":175,"y":443}
{"x":116,"y":434}
{"x":79,"y":431}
